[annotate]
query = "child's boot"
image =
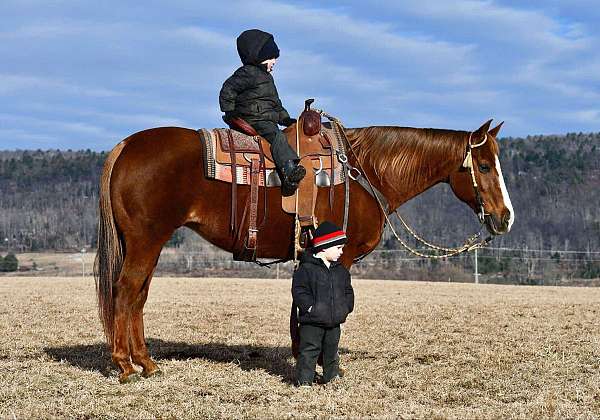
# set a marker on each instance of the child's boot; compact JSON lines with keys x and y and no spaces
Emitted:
{"x":291,"y":175}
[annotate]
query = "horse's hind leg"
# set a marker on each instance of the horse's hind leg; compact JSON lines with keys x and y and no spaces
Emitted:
{"x":139,"y":352}
{"x":137,"y":268}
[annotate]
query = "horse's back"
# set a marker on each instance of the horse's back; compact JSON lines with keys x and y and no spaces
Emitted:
{"x":160,"y":140}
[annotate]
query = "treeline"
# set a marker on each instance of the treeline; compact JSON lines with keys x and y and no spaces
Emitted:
{"x":48,"y":201}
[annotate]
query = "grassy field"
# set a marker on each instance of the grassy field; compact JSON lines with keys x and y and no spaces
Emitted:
{"x":427,"y":350}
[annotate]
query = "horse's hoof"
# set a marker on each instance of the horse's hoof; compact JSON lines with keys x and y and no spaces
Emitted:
{"x":130,"y":378}
{"x":155,"y":373}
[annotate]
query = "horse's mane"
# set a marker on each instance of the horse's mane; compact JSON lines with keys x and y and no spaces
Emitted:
{"x":405,"y":154}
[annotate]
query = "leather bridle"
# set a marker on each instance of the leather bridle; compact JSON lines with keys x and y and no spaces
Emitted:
{"x":468,"y":164}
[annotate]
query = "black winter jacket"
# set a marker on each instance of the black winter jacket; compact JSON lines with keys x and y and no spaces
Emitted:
{"x":250,"y":92}
{"x":327,"y":291}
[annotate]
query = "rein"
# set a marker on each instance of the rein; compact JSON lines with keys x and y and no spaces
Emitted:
{"x":362,"y":178}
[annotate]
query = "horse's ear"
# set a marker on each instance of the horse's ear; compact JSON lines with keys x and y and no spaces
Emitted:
{"x":494,"y":131}
{"x":481,"y":132}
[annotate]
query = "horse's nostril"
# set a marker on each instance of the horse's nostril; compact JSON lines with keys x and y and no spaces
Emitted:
{"x":506,"y":219}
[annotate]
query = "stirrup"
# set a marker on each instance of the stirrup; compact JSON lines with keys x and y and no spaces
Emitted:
{"x":273,"y":180}
{"x":322,"y":179}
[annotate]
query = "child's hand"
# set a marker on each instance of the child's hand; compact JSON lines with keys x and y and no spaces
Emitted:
{"x":288,"y":121}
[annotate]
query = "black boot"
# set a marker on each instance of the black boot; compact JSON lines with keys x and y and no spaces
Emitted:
{"x":291,"y":175}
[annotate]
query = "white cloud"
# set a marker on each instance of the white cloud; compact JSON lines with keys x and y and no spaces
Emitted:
{"x":135,"y":120}
{"x":11,"y":138}
{"x":43,"y":30}
{"x":318,"y":69}
{"x":587,"y":116}
{"x":74,"y":127}
{"x":555,"y":81}
{"x":487,"y":19}
{"x":12,"y":83}
{"x":203,"y":37}
{"x":359,"y":36}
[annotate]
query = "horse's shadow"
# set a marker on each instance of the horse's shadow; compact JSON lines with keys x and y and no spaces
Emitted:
{"x":96,"y":357}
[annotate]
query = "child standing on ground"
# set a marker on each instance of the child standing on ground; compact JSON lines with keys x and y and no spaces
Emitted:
{"x":322,"y":291}
{"x":250,"y":94}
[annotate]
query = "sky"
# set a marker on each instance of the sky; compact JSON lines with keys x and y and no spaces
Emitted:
{"x":86,"y":74}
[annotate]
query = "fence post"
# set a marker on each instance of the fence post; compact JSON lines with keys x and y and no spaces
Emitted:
{"x":476,"y":271}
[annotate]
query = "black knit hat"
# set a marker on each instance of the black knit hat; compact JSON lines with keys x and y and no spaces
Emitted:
{"x":328,"y":235}
{"x":268,"y":51}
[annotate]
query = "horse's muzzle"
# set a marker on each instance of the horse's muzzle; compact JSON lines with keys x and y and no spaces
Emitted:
{"x":495,"y":225}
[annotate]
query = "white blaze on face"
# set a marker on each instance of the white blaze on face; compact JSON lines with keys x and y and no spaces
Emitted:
{"x":505,"y":196}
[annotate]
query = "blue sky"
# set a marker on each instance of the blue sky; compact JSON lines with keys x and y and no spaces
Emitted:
{"x":83,"y":74}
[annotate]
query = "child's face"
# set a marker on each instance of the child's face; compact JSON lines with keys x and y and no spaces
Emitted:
{"x":333,"y":253}
{"x":270,"y":63}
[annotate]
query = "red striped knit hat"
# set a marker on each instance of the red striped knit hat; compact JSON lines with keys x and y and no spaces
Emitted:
{"x":328,"y":235}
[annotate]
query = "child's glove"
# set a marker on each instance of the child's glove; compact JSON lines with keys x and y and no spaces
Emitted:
{"x":288,"y":121}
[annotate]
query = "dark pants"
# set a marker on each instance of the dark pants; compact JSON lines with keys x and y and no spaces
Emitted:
{"x":280,"y":149}
{"x":312,"y":341}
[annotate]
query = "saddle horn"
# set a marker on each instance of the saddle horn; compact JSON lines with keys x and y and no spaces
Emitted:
{"x":307,"y":104}
{"x":311,"y":120}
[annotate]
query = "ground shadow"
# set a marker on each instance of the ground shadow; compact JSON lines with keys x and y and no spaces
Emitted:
{"x":96,"y":357}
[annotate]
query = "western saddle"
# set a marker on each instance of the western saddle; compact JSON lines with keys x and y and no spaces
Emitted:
{"x":239,"y":156}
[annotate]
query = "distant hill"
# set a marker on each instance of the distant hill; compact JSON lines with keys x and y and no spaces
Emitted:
{"x":48,"y":199}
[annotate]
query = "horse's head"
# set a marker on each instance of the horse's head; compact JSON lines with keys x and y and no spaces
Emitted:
{"x":479,"y":182}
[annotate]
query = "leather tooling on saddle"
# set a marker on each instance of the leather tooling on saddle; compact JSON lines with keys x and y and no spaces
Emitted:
{"x":315,"y":151}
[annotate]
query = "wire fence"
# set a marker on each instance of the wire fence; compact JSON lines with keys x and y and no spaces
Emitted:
{"x":488,"y":265}
{"x":505,"y":265}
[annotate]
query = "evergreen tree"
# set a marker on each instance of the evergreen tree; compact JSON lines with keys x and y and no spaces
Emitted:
{"x":9,"y":263}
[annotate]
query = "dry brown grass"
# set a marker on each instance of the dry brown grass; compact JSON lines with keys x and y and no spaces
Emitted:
{"x":431,"y":350}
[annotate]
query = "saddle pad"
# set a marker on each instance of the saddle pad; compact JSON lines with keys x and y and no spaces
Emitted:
{"x":241,"y":142}
{"x":221,"y":171}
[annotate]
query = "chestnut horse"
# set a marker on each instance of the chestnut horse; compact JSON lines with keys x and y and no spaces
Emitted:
{"x":153,"y":182}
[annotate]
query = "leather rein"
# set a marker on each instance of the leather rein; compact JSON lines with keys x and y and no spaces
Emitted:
{"x":473,"y":242}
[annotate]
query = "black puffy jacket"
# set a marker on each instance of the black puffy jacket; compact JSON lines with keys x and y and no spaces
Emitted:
{"x":326,"y":291}
{"x":250,"y":92}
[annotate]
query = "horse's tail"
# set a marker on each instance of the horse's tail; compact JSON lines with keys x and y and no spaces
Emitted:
{"x":109,"y":257}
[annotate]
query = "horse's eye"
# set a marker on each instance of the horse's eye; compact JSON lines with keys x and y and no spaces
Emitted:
{"x":484,"y":168}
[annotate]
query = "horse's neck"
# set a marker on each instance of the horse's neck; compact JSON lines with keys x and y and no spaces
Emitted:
{"x":404,"y":162}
